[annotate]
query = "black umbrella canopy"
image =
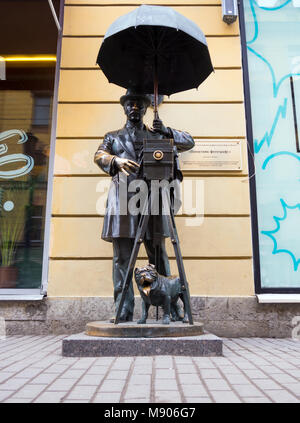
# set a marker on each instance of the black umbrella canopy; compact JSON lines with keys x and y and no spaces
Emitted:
{"x":155,"y":45}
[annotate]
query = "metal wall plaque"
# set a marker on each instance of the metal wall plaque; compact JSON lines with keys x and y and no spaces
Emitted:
{"x":219,"y":155}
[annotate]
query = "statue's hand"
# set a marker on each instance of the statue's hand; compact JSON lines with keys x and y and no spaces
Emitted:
{"x":159,"y":127}
{"x":126,"y":166}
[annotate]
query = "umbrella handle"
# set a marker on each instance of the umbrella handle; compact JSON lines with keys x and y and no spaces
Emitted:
{"x":155,"y":92}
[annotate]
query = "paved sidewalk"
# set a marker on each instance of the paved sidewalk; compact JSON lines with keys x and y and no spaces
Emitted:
{"x":32,"y":369}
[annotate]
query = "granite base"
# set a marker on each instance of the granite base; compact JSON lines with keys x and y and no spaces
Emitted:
{"x":82,"y":345}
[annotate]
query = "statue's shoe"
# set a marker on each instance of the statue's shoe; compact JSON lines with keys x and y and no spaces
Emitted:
{"x":124,"y":317}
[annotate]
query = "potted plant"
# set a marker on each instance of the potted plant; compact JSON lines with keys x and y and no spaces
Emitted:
{"x":12,"y":222}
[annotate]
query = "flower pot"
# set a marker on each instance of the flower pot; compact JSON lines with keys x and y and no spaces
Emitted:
{"x":8,"y":277}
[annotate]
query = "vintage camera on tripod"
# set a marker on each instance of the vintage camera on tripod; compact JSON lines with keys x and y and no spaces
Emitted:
{"x":158,"y":159}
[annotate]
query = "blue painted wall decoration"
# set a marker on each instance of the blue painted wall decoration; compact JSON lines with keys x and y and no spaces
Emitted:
{"x":273,"y":51}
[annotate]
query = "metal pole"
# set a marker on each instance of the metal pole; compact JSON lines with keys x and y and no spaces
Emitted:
{"x":54,"y":15}
{"x":155,"y":89}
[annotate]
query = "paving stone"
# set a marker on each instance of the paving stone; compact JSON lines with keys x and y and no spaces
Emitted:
{"x":256,"y":399}
{"x":246,"y":365}
{"x":294,"y":387}
{"x":77,"y":401}
{"x":29,"y":391}
{"x":247,"y":390}
{"x":259,"y":361}
{"x":143,"y":361}
{"x":189,"y":378}
{"x":163,"y":362}
{"x":204,"y":363}
{"x":295,"y":373}
{"x":45,"y":362}
{"x":183,"y":360}
{"x":217,"y":384}
{"x":112,"y":386}
{"x":237,"y":379}
{"x":57,"y":368}
{"x":283,"y":378}
{"x":210,"y":373}
{"x":17,"y":367}
{"x":198,"y":399}
{"x":135,"y":391}
{"x":232,"y":370}
{"x":255,"y":374}
{"x":5,"y":394}
{"x":73,"y":374}
{"x":44,"y":378}
{"x":28,"y":373}
{"x":50,"y":397}
{"x":104,"y":397}
{"x":4,"y":375}
{"x":167,"y":396}
{"x":62,"y":384}
{"x":221,"y":361}
{"x":140,"y":379}
{"x":165,"y":373}
{"x":270,"y":369}
{"x":166,"y":385}
{"x":83,"y":363}
{"x":186,"y":368}
{"x":17,"y":400}
{"x":91,"y":380}
{"x":225,"y":397}
{"x":142,"y":370}
{"x":194,"y":390}
{"x":281,"y":396}
{"x":82,"y":392}
{"x":122,"y":363}
{"x":137,"y":400}
{"x":97,"y":370}
{"x":117,"y":374}
{"x":104,"y":361}
{"x":285,"y":365}
{"x":66,"y":360}
{"x":266,"y":384}
{"x":13,"y":384}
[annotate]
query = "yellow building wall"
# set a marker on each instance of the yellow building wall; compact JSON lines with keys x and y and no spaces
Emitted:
{"x":218,"y":253}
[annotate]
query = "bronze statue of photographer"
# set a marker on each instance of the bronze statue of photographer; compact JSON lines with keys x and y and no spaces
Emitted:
{"x":119,"y":156}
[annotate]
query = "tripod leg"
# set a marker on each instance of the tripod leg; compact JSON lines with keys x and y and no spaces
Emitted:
{"x":156,"y":242}
{"x":137,"y":243}
{"x":176,"y":246}
{"x":157,"y":266}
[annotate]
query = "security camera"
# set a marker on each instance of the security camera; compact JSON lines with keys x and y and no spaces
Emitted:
{"x":229,"y":11}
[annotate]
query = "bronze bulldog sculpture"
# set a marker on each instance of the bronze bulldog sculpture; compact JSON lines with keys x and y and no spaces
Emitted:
{"x":161,"y":291}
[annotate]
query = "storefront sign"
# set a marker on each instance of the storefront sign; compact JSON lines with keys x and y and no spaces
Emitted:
{"x":213,"y":155}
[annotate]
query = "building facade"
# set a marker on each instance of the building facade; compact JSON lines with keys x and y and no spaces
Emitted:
{"x":239,"y":245}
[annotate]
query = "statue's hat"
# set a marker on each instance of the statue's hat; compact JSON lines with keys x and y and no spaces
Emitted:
{"x":131,"y":94}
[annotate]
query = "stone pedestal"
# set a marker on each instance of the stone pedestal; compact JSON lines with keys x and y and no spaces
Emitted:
{"x":106,"y":339}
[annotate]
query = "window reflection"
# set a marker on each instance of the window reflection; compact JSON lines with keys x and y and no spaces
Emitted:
{"x":26,"y":96}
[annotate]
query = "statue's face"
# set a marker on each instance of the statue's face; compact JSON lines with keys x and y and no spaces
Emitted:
{"x":135,"y":110}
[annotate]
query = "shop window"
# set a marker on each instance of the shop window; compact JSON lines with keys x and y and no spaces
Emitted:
{"x":271,"y":62}
{"x":27,"y":74}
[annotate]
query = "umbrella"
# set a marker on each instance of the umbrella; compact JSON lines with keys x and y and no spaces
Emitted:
{"x":155,"y":49}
